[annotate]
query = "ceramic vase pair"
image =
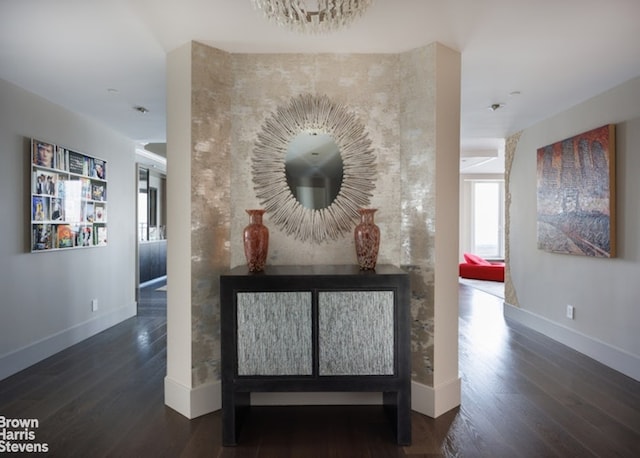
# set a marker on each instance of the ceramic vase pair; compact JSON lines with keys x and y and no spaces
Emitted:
{"x":366,"y":237}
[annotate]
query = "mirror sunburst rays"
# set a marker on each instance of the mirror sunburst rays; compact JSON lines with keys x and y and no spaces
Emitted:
{"x":309,"y":113}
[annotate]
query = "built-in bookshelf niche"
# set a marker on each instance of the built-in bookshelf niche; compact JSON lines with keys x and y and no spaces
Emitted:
{"x":68,"y":198}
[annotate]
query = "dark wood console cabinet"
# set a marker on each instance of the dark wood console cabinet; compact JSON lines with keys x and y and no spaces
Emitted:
{"x":315,"y":328}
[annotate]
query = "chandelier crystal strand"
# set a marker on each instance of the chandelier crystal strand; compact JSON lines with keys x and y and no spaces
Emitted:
{"x":312,"y":16}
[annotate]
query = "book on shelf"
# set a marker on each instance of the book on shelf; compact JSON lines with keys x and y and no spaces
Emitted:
{"x":62,"y":159}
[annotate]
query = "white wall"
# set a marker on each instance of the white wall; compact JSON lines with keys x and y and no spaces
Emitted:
{"x":604,"y":292}
{"x":45,"y":298}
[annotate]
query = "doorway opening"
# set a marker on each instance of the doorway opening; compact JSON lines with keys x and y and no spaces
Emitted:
{"x":151,"y":227}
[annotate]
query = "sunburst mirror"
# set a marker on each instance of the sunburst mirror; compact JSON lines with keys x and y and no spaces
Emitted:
{"x":313,"y":167}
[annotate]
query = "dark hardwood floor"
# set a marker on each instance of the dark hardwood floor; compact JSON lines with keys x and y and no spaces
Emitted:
{"x":523,"y":395}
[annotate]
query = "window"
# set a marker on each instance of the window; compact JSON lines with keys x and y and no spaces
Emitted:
{"x":487,"y":218}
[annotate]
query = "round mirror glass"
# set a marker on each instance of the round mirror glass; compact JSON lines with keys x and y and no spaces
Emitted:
{"x":313,"y":167}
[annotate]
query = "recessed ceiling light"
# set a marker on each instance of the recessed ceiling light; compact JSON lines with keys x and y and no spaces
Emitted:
{"x":141,"y":109}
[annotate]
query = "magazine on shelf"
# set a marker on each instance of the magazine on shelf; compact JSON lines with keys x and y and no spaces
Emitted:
{"x":45,"y":182}
{"x":57,"y":209}
{"x":40,"y":208}
{"x":100,"y":213}
{"x":98,"y":192}
{"x":99,"y":169}
{"x":42,"y":237}
{"x":101,"y":235}
{"x":78,"y":163}
{"x":64,"y":236}
{"x":43,"y":154}
{"x":85,"y":236}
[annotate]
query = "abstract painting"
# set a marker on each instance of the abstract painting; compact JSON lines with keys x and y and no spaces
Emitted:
{"x":576,"y":194}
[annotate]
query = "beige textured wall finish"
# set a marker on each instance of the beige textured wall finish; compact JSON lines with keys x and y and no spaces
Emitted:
{"x":368,"y":86}
{"x":211,"y":203}
{"x":392,"y":95}
{"x":510,"y":150}
{"x":418,"y":157}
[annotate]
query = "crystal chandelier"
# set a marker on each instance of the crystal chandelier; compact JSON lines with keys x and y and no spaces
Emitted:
{"x":312,"y":16}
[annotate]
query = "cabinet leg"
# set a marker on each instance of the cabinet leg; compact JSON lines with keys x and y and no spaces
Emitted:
{"x":398,"y":407}
{"x":235,"y":407}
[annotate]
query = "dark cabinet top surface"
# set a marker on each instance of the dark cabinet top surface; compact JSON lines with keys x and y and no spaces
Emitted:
{"x":316,"y":270}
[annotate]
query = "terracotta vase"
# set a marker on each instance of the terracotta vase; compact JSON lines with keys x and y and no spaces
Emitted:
{"x":256,"y":241}
{"x":367,"y":239}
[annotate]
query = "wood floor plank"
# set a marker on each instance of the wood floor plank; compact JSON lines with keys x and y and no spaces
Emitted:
{"x":586,"y":419}
{"x":85,"y":375}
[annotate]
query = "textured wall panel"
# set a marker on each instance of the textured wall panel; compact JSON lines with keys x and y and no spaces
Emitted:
{"x":274,"y":333}
{"x":393,"y":95}
{"x":368,"y":85}
{"x":356,"y":332}
{"x":418,"y":177}
{"x":210,"y":203}
{"x":509,"y":155}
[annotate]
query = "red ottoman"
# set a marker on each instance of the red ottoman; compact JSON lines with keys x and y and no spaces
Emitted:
{"x":478,"y":268}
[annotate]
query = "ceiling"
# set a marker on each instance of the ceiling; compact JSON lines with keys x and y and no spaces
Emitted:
{"x":535,"y":58}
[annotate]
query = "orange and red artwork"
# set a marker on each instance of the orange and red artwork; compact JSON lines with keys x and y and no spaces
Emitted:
{"x":576,"y":194}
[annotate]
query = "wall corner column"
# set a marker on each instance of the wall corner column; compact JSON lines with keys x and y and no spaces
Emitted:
{"x":430,"y":152}
{"x":446,"y":378}
{"x":198,"y":223}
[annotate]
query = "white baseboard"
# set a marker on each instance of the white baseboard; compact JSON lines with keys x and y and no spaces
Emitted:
{"x":434,"y":401}
{"x":207,"y":398}
{"x":602,"y":352}
{"x":193,"y":402}
{"x":14,"y":362}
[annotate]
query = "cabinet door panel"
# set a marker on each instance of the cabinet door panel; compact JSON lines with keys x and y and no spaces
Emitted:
{"x":356,"y":332}
{"x":274,"y":333}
